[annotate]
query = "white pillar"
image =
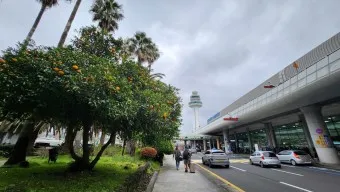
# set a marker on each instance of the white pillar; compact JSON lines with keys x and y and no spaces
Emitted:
{"x":196,"y":119}
{"x":204,"y":145}
{"x":320,"y":135}
{"x":226,"y":140}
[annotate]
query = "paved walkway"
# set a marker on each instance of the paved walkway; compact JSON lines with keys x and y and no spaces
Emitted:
{"x":2,"y":162}
{"x":171,"y":180}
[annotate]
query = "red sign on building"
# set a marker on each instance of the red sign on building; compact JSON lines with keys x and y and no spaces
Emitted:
{"x":230,"y":118}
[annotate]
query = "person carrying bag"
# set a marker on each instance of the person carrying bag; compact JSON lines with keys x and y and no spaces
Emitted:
{"x":178,"y":157}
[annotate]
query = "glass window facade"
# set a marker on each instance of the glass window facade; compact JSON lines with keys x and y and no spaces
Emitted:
{"x":290,"y":136}
{"x":333,"y":125}
{"x":259,"y":137}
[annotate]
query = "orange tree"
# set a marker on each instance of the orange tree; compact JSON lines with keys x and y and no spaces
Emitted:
{"x":64,"y":85}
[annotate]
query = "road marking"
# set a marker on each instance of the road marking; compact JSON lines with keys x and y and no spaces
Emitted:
{"x":238,"y":168}
{"x":324,"y":169}
{"x":296,"y":187}
{"x":222,"y":179}
{"x":288,"y":165}
{"x":238,"y":160}
{"x":288,"y":172}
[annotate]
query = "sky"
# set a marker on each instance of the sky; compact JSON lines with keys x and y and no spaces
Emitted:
{"x":220,"y":48}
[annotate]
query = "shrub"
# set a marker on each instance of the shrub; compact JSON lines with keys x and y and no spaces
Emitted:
{"x":165,"y":147}
{"x":148,"y":152}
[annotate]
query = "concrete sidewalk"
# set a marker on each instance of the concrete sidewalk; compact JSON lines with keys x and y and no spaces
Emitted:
{"x":172,"y":180}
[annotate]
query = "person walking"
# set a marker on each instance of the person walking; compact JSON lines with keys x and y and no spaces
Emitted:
{"x":178,"y":157}
{"x":186,"y":158}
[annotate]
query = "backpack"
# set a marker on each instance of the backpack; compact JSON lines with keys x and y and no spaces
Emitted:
{"x":178,"y":155}
{"x":186,"y":154}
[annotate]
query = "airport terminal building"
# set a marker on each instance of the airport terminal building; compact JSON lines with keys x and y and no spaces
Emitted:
{"x":297,"y":108}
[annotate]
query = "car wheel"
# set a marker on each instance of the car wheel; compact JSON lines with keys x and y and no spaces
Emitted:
{"x":203,"y":162}
{"x":293,"y":162}
{"x":251,"y":162}
{"x":210,"y":165}
{"x":227,"y":166}
{"x":261,"y":164}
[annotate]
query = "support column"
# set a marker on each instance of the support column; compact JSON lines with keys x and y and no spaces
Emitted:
{"x":270,"y":135}
{"x":226,"y":140}
{"x":249,"y":141}
{"x":194,"y":144}
{"x":307,"y":135}
{"x":218,"y":143}
{"x":204,"y":145}
{"x":320,"y":135}
{"x":236,"y":143}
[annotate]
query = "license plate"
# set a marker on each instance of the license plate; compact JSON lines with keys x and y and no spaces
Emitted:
{"x":220,"y":160}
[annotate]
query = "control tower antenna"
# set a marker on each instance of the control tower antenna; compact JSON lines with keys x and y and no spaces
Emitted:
{"x":195,"y":103}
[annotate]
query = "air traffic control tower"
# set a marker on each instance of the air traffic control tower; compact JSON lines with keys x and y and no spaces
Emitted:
{"x":195,"y":103}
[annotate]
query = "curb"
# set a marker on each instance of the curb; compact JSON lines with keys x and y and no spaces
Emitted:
{"x":152,"y":182}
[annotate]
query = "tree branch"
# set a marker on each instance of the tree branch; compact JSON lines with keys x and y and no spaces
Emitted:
{"x":102,"y":149}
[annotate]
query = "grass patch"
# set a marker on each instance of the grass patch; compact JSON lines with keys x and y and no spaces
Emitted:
{"x":108,"y":175}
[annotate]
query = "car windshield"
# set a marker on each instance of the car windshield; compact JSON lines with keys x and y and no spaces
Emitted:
{"x":269,"y":154}
{"x":300,"y":153}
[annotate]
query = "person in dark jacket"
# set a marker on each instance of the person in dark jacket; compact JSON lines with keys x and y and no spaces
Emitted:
{"x":178,"y":157}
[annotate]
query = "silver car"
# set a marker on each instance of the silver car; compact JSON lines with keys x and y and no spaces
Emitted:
{"x":215,"y":157}
{"x":295,"y":157}
{"x":264,"y":158}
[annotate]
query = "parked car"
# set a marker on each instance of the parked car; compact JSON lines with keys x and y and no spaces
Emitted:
{"x":264,"y":158}
{"x":215,"y":157}
{"x":295,"y":157}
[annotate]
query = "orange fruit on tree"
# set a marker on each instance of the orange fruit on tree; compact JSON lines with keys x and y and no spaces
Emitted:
{"x":61,"y":73}
{"x":14,"y":59}
{"x":117,"y":88}
{"x":56,"y":69}
{"x":2,"y":60}
{"x":75,"y":67}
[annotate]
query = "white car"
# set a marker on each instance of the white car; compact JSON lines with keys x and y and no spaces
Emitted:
{"x":295,"y":157}
{"x":215,"y":157}
{"x":264,"y":158}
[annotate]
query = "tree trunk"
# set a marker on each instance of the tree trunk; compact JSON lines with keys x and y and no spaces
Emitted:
{"x":70,"y":136}
{"x":113,"y":141}
{"x":131,"y":147}
{"x":102,"y":138}
{"x":35,"y":25}
{"x":100,"y":153}
{"x":34,"y":137}
{"x":124,"y":144}
{"x":20,"y":148}
{"x":69,"y":23}
{"x":86,"y":148}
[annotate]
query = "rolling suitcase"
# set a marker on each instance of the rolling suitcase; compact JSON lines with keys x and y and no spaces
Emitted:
{"x":192,"y":167}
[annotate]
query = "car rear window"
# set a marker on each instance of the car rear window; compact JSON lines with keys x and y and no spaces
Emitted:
{"x":300,"y":153}
{"x":268,"y":154}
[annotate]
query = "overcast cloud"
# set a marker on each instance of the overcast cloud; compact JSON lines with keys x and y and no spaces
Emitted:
{"x":221,"y":48}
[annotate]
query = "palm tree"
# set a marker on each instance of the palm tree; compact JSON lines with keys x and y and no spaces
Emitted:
{"x":143,"y":49}
{"x":44,"y":5}
{"x":157,"y":75}
{"x":69,"y":23}
{"x":108,"y":13}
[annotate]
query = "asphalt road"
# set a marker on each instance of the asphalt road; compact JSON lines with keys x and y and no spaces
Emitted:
{"x":288,"y":178}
